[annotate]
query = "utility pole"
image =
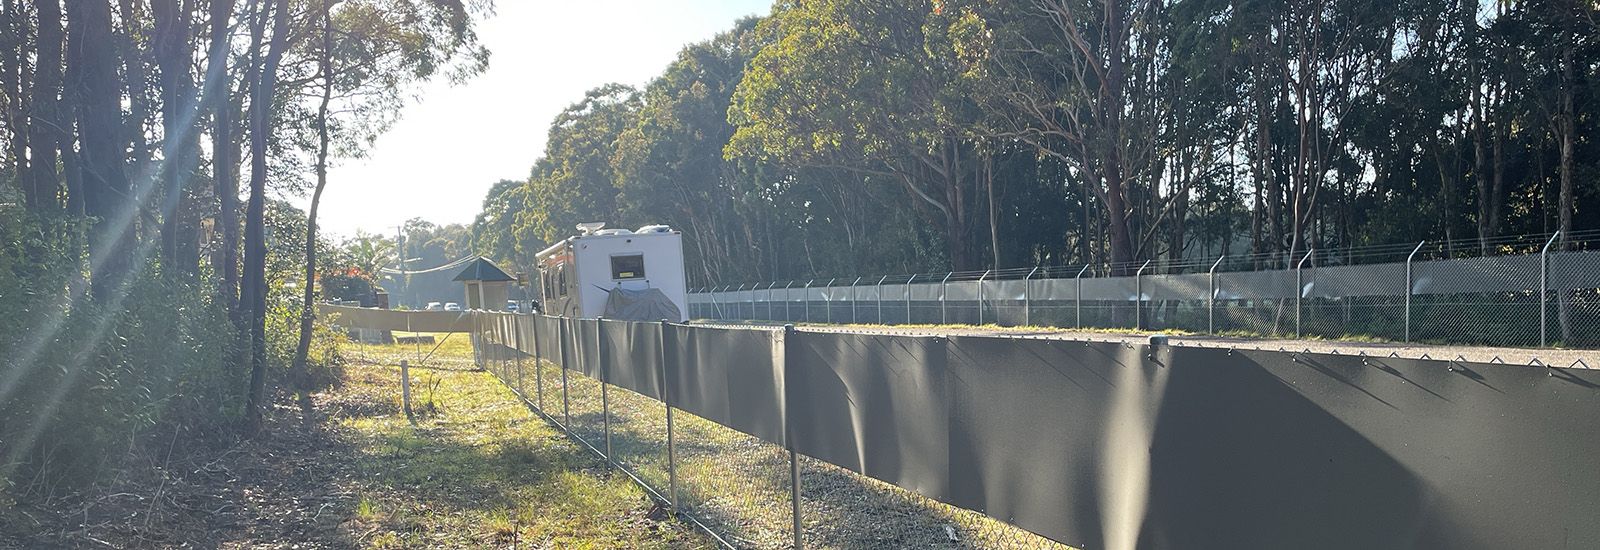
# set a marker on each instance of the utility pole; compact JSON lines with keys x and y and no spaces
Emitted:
{"x":400,"y":256}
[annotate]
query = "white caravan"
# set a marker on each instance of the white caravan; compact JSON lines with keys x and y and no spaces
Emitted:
{"x":577,"y":275}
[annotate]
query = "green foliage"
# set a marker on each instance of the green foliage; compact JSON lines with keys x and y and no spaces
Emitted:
{"x":840,"y":137}
{"x":84,"y":382}
{"x":572,"y":183}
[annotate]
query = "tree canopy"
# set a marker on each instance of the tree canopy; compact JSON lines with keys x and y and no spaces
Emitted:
{"x":835,"y":137}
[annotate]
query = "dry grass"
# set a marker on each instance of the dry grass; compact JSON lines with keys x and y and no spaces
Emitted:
{"x":477,"y":471}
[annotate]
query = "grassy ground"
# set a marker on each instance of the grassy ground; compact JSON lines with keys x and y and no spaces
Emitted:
{"x":478,"y":470}
{"x":739,"y":485}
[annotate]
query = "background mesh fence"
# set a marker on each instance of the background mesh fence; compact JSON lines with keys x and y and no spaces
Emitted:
{"x":1454,"y":297}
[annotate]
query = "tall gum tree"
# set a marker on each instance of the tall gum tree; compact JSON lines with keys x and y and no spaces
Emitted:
{"x":854,"y":86}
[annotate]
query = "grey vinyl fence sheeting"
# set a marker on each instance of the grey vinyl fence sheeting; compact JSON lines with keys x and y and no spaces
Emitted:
{"x":385,"y":319}
{"x":1108,"y":445}
{"x":1467,"y":300}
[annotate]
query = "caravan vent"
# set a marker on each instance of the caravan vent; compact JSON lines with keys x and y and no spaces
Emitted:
{"x":604,"y":232}
{"x":654,"y":229}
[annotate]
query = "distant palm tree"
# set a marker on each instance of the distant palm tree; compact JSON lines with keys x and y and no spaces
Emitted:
{"x":368,"y":254}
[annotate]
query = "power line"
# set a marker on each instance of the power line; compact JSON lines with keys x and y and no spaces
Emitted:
{"x":457,"y":263}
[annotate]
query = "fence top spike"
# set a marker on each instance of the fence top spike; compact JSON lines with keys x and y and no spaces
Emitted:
{"x":1336,"y":351}
{"x":1306,"y":350}
{"x":1362,"y":353}
{"x":1426,"y":356}
{"x":1497,"y":359}
{"x":1536,"y":361}
{"x":1578,"y":362}
{"x":1460,"y":359}
{"x":1395,"y":355}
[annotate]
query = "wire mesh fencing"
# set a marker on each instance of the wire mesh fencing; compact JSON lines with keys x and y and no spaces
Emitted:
{"x":771,"y":438}
{"x":740,"y":488}
{"x":1538,"y":296}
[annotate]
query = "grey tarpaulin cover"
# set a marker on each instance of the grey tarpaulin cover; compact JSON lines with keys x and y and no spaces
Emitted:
{"x":649,"y":304}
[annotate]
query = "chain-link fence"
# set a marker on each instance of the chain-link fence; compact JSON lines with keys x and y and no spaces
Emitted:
{"x":589,"y":378}
{"x":1541,"y":291}
{"x":843,"y":437}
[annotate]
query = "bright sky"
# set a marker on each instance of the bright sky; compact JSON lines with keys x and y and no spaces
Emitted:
{"x":441,"y":158}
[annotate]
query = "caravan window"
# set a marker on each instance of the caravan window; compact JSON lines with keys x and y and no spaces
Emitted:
{"x":561,"y":279}
{"x":627,"y":266}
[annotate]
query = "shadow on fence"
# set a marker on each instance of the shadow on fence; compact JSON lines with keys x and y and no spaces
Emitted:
{"x":775,"y":438}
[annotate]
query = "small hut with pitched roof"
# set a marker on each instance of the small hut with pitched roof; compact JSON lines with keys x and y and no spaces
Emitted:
{"x":488,"y":286}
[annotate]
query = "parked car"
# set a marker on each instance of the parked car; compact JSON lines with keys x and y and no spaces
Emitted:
{"x":511,"y":305}
{"x":434,"y":306}
{"x":452,"y":306}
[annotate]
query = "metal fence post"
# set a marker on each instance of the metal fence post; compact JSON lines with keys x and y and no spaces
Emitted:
{"x":798,"y":525}
{"x":538,"y":363}
{"x":1413,"y":254}
{"x":1300,"y":288}
{"x":770,"y":306}
{"x":853,"y":299}
{"x":1138,"y":296}
{"x":806,"y":293}
{"x":516,"y":350}
{"x":908,"y":298}
{"x":566,"y":403}
{"x":980,"y":296}
{"x":1211,"y":296}
{"x":787,"y":297}
{"x":880,"y":298}
{"x":1544,"y":288}
{"x":605,"y":383}
{"x":944,"y":290}
{"x":1077,"y":304}
{"x":828,"y":299}
{"x":666,"y":399}
{"x":1027,"y":298}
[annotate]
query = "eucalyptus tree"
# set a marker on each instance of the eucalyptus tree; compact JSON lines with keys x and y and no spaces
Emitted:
{"x":861,"y":87}
{"x":669,"y":167}
{"x":572,"y":182}
{"x":367,"y":53}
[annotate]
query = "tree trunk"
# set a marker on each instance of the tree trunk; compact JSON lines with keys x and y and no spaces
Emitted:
{"x":297,"y":370}
{"x":48,"y":127}
{"x":14,"y":92}
{"x":100,"y":127}
{"x":1566,"y":125}
{"x":994,"y":213}
{"x":71,"y":161}
{"x":263,"y":92}
{"x":1480,"y":172}
{"x":1447,"y":164}
{"x":223,"y":160}
{"x":1497,"y":192}
{"x":136,"y":76}
{"x":180,"y":143}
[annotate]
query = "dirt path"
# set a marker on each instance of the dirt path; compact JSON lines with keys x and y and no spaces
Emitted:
{"x":479,"y":471}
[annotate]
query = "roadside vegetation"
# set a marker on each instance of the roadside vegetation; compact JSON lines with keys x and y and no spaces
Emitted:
{"x":478,"y":470}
